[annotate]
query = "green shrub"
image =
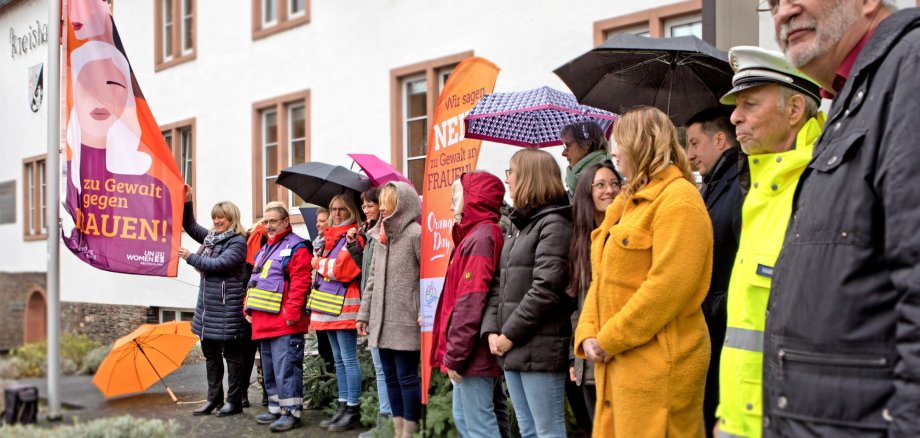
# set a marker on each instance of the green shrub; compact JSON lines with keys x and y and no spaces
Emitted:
{"x":31,"y":360}
{"x":9,"y":368}
{"x":319,"y":387}
{"x":94,"y":358}
{"x":75,"y":347}
{"x":439,"y":417}
{"x":124,"y":426}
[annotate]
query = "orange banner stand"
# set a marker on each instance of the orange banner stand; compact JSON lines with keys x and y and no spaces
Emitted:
{"x":449,"y":156}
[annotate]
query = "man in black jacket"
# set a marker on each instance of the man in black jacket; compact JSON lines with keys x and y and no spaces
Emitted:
{"x":713,"y":150}
{"x":842,"y":340}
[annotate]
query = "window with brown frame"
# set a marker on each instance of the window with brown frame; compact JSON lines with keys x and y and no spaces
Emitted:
{"x":180,"y":137}
{"x":272,"y":16}
{"x":8,"y":202}
{"x":280,"y":138}
{"x":175,"y":32}
{"x":677,"y":19}
{"x":34,"y":223}
{"x":414,"y":91}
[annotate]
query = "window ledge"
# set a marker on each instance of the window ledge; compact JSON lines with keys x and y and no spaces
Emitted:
{"x":258,"y":34}
{"x":34,"y":237}
{"x":175,"y":61}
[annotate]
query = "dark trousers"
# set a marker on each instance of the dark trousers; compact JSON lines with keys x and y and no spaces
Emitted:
{"x":576,"y":397}
{"x":325,"y":351}
{"x":214,"y":354}
{"x":249,"y":359}
{"x":590,"y":393}
{"x":715,"y":312}
{"x":500,"y":405}
{"x":403,"y":385}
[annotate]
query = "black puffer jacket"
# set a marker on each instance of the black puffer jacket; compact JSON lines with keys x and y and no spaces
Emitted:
{"x":842,"y":340}
{"x":528,"y":303}
{"x":219,"y":312}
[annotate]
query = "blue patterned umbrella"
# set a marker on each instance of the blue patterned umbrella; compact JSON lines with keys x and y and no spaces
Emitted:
{"x":530,"y":118}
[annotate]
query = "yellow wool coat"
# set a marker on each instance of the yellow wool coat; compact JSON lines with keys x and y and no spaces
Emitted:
{"x":651,"y":262}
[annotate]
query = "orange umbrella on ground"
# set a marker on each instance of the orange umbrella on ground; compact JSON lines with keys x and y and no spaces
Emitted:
{"x":140,"y":359}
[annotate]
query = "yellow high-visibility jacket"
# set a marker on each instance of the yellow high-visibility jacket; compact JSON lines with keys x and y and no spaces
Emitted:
{"x":764,"y":217}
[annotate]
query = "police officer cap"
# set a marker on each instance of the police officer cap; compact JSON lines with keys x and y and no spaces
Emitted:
{"x":755,"y":66}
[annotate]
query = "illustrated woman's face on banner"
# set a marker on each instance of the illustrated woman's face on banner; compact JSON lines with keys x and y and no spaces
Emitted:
{"x":89,"y":18}
{"x":100,"y":97}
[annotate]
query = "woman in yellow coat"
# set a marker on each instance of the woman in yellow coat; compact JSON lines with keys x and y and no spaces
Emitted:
{"x":651,"y":257}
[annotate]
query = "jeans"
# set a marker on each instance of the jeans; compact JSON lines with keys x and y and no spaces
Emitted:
{"x":282,"y":365}
{"x":215,"y":352}
{"x":347,"y":371}
{"x":381,"y":383}
{"x":474,"y":413}
{"x":539,"y":402}
{"x":403,"y":385}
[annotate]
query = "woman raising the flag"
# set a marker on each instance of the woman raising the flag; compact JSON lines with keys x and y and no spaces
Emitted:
{"x":218,"y":321}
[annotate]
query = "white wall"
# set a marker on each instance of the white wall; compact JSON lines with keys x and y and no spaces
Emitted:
{"x":344,"y":56}
{"x":22,"y":132}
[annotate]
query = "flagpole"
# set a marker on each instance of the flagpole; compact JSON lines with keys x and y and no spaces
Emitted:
{"x":52,"y":199}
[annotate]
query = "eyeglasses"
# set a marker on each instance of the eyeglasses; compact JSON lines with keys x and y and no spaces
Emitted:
{"x":273,"y":221}
{"x":603,"y":185}
{"x":772,"y":5}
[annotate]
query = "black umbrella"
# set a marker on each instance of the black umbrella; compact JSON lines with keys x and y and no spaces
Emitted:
{"x":317,"y":183}
{"x":681,"y":76}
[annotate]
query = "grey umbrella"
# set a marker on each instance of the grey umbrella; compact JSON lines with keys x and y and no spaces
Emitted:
{"x":681,"y":76}
{"x":317,"y":183}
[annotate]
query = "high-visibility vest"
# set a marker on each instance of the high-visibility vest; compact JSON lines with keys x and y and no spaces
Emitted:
{"x":266,"y":286}
{"x":764,"y":217}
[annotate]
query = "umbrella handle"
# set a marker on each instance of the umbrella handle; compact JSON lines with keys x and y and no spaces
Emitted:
{"x":172,"y":395}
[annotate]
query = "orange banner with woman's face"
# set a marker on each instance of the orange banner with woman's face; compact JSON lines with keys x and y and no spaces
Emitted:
{"x":449,"y":156}
{"x":120,"y":186}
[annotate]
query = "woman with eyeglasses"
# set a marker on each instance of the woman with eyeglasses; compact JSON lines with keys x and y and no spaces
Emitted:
{"x":597,"y":186}
{"x":651,"y":258}
{"x":527,"y":321}
{"x":584,"y":144}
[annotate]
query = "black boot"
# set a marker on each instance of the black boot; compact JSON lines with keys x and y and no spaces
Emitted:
{"x":335,"y":417}
{"x":245,"y":402}
{"x":348,"y":420}
{"x":206,"y":409}
{"x":230,"y":409}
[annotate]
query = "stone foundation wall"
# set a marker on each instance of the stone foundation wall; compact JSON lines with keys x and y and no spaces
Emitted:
{"x":104,"y":322}
{"x":14,"y":293}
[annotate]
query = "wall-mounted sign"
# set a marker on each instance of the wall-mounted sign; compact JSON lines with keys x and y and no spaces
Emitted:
{"x":34,"y":38}
{"x":36,"y":86}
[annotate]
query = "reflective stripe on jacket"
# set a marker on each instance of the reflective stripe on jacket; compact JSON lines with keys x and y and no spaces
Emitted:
{"x":764,"y":218}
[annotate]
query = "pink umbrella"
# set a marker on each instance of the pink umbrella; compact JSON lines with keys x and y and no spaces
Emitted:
{"x":380,"y":172}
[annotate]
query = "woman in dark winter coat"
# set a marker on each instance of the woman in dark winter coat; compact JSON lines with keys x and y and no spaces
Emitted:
{"x":527,"y":322}
{"x":458,"y":350}
{"x":597,"y":186}
{"x":218,"y":320}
